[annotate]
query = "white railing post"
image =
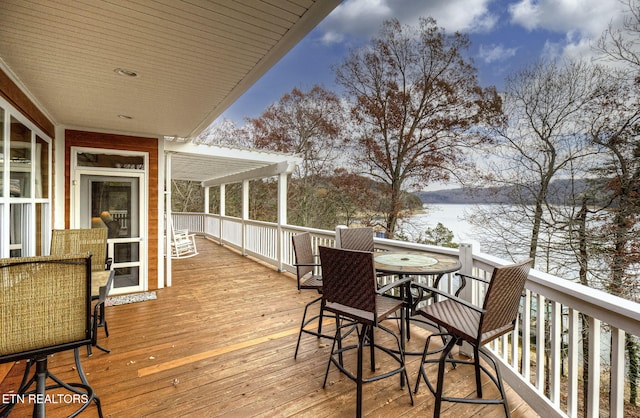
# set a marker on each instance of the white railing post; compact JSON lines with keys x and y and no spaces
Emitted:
{"x":338,"y":244}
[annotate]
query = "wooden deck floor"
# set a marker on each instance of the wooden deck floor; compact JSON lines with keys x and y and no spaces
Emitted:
{"x":220,"y":342}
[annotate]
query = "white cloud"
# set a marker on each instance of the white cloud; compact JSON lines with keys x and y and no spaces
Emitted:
{"x":363,"y":18}
{"x":588,"y":18}
{"x":495,"y":53}
{"x":582,"y":22}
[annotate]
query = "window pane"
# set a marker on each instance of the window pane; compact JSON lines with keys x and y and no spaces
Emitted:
{"x":42,"y":168}
{"x":126,"y":276}
{"x":42,"y":226}
{"x":130,"y":162}
{"x":111,"y":204}
{"x":20,"y":160}
{"x":125,"y":252}
{"x":18,"y":229}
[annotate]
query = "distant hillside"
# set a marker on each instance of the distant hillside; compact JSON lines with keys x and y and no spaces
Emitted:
{"x":558,"y":191}
{"x":460,"y":196}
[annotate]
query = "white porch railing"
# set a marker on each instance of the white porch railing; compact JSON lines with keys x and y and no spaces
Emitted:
{"x":545,"y":364}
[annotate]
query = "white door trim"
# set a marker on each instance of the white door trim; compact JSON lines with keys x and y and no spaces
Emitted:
{"x":75,"y":195}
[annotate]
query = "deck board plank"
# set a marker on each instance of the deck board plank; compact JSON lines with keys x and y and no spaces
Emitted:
{"x":220,"y":342}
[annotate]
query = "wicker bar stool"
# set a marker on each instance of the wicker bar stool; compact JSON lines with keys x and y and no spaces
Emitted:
{"x":463,"y":321}
{"x":45,"y":308}
{"x":306,"y":265}
{"x":350,"y":292}
{"x":360,"y":239}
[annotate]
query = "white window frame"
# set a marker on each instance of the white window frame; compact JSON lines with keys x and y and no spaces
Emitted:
{"x":29,"y":224}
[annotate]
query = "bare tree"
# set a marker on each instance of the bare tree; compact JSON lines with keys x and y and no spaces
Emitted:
{"x":226,"y":133}
{"x":622,"y":45}
{"x":415,"y":98}
{"x":309,"y":124}
{"x":546,"y":107}
{"x":186,"y":196}
{"x":617,"y":131}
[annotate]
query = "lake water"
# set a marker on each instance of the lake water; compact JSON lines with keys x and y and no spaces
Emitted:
{"x":451,"y":216}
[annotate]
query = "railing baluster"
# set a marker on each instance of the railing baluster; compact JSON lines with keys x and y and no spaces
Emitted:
{"x":556,"y":351}
{"x":540,"y":341}
{"x":526,"y":336}
{"x":572,"y":363}
{"x":515,"y":355}
{"x":593,"y":390}
{"x":617,"y":372}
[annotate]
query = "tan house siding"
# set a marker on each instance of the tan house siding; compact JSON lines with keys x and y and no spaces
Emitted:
{"x":75,"y":138}
{"x":12,"y":93}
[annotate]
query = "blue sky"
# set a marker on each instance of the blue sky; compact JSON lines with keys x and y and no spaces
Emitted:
{"x":505,"y":35}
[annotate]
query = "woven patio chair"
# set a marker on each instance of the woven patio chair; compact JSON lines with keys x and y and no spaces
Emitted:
{"x":360,"y":239}
{"x":350,"y":291}
{"x":45,"y":308}
{"x":307,"y":266}
{"x":463,"y":321}
{"x":94,"y":241}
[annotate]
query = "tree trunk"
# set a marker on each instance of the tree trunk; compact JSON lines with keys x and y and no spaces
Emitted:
{"x":583,"y":256}
{"x":633,"y":350}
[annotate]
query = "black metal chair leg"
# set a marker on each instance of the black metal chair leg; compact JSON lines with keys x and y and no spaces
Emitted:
{"x":336,"y":340}
{"x":361,"y":341}
{"x":440,"y":384}
{"x":321,"y":317}
{"x":372,"y":348}
{"x":304,"y":322}
{"x":41,"y":385}
{"x":476,"y":365}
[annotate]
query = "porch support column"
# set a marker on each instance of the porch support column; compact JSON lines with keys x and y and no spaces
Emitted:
{"x":168,"y":224}
{"x":282,"y":218}
{"x":245,"y":214}
{"x":206,"y":200}
{"x":222,"y":213}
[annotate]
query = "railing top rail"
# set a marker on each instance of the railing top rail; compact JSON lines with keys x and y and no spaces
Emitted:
{"x":613,"y":310}
{"x":390,"y":244}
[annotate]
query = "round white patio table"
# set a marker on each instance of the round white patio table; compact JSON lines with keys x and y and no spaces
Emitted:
{"x":416,"y":265}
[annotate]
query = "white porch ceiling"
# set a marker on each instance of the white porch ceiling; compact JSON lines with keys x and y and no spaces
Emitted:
{"x":193,"y":57}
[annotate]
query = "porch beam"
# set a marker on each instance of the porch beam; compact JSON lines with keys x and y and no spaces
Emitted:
{"x":257,"y":173}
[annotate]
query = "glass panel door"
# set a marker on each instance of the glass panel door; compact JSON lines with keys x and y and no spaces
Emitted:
{"x":113,"y":202}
